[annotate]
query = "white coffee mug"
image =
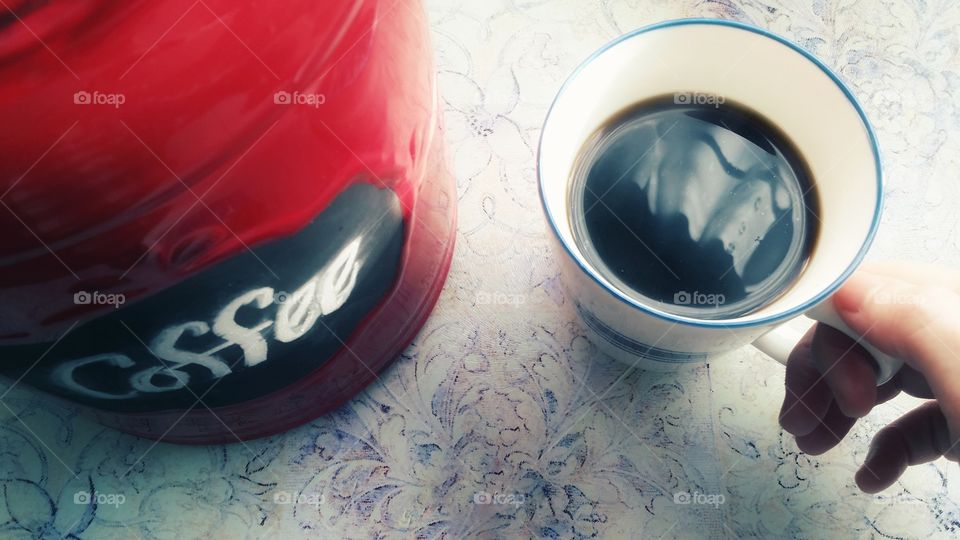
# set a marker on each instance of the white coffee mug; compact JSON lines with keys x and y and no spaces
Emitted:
{"x":783,"y":83}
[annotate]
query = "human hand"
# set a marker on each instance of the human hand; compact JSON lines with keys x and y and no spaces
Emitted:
{"x":908,"y":311}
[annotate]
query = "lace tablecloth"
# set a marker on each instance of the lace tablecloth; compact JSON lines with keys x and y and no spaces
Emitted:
{"x":501,"y":420}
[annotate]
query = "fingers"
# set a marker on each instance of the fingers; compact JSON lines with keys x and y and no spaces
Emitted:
{"x":903,"y":319}
{"x":929,"y":274}
{"x":807,"y":397}
{"x":848,"y":370}
{"x":919,"y":324}
{"x":912,"y":382}
{"x":888,"y":390}
{"x":830,"y":383}
{"x":919,"y":436}
{"x":830,"y":378}
{"x":832,"y":428}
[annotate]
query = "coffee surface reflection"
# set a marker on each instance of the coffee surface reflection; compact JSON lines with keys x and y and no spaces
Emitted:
{"x":703,"y":210}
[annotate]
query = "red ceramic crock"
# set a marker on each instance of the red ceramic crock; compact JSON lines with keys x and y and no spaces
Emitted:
{"x":220,"y":219}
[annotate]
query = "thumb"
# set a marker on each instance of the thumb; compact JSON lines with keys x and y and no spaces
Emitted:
{"x":918,"y":324}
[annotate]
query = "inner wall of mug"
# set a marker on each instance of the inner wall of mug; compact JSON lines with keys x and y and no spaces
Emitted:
{"x":760,"y":72}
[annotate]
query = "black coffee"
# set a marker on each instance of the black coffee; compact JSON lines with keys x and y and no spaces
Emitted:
{"x":704,"y":210}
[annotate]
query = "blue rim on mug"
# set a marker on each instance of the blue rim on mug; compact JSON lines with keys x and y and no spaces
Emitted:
{"x":724,"y":323}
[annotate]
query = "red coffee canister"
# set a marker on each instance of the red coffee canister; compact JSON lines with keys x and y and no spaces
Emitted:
{"x":220,"y":219}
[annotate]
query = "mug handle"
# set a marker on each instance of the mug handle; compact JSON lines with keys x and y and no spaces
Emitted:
{"x":778,"y":342}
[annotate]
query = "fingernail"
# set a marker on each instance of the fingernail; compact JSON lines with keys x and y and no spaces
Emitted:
{"x":857,"y":290}
{"x":866,"y":479}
